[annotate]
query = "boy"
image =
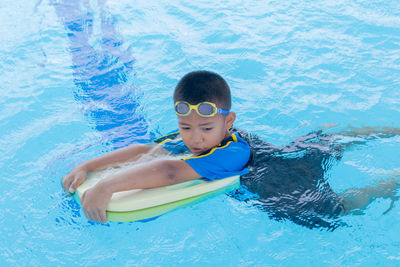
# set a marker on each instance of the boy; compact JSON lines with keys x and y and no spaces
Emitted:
{"x":287,"y":182}
{"x":202,"y":103}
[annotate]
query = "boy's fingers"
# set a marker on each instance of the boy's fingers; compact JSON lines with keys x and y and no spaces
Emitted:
{"x":76,"y":182}
{"x":103,"y":216}
{"x":99,"y":216}
{"x":93,"y":214}
{"x":71,"y":181}
{"x":66,"y":182}
{"x":71,"y":189}
{"x":96,"y":215}
{"x":88,"y":214}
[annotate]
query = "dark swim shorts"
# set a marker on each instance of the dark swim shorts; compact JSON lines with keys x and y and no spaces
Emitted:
{"x":289,"y":181}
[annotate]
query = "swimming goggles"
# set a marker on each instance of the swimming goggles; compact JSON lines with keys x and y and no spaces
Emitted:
{"x":204,"y":109}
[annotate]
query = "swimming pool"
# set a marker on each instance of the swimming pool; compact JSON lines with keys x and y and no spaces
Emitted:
{"x":80,"y":78}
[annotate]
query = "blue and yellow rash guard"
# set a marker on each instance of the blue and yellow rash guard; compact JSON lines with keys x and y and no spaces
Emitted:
{"x":227,"y":159}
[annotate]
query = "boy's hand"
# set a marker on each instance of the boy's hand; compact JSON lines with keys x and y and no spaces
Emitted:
{"x":74,"y":179}
{"x":94,"y":203}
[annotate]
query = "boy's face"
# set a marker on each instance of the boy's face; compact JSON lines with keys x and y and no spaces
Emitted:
{"x":201,"y":134}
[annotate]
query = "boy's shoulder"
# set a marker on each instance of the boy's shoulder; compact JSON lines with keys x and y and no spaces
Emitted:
{"x":173,"y":142}
{"x":227,"y":159}
{"x":233,"y":143}
{"x":168,"y":137}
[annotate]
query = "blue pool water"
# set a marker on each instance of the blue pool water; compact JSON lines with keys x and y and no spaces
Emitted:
{"x":80,"y":78}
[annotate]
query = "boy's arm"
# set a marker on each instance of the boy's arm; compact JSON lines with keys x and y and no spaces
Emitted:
{"x":77,"y":176}
{"x":154,"y":174}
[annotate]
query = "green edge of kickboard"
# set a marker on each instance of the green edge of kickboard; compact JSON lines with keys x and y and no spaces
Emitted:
{"x":151,"y":212}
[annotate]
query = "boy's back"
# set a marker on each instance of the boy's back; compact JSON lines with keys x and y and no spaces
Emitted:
{"x":289,"y":181}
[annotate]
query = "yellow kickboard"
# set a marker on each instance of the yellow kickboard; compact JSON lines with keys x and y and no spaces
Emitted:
{"x":142,"y":204}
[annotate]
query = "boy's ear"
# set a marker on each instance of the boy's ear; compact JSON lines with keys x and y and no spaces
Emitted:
{"x":230,"y":119}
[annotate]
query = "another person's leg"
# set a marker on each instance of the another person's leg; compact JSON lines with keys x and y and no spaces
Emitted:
{"x":102,"y":71}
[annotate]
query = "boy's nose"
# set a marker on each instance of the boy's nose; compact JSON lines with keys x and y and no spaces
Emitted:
{"x":197,"y":137}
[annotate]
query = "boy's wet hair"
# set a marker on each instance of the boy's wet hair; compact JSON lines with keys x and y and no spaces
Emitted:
{"x":202,"y":86}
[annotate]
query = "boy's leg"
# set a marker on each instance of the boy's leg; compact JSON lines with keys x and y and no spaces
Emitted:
{"x":371,"y":132}
{"x":362,"y":134}
{"x":355,"y":200}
